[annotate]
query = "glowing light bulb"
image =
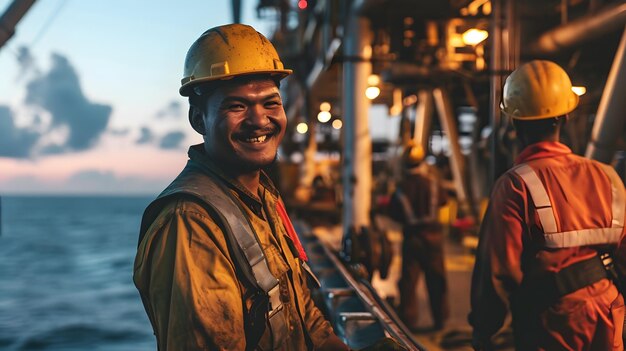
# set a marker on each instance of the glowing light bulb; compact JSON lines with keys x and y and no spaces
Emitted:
{"x":373,"y":79}
{"x":337,"y":124}
{"x":325,"y":106}
{"x":302,"y":128}
{"x":474,"y":36}
{"x":372,"y":92}
{"x":579,"y":90}
{"x":324,"y":116}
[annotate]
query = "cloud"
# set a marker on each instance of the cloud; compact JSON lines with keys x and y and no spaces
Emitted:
{"x":15,"y":142}
{"x":172,"y":110}
{"x":59,"y":92}
{"x":145,"y":137}
{"x":119,"y":131}
{"x":172,"y":140}
{"x":26,"y":61}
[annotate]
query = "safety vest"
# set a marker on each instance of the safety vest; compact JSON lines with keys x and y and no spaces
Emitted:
{"x":247,"y":254}
{"x":579,"y":237}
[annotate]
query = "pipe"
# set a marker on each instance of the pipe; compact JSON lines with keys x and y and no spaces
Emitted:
{"x":423,"y":118}
{"x":11,"y":17}
{"x":236,"y":7}
{"x":583,"y":29}
{"x":496,"y":165}
{"x":357,"y":148}
{"x":608,"y":126}
{"x":457,"y":160}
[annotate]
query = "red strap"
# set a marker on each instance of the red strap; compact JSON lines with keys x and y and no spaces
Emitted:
{"x":280,"y":208}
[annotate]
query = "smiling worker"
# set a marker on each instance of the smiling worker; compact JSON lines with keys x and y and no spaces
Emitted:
{"x":219,"y":266}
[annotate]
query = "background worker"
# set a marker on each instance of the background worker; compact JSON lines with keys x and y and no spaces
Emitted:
{"x":415,"y":204}
{"x":549,"y":219}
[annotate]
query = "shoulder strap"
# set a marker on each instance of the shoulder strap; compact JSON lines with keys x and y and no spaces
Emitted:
{"x":252,"y":263}
{"x":619,"y":198}
{"x":540,"y":197}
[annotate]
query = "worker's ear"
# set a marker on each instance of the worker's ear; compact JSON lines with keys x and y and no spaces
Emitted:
{"x":196,"y":118}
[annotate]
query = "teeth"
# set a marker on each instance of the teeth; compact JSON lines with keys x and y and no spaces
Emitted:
{"x":257,"y":139}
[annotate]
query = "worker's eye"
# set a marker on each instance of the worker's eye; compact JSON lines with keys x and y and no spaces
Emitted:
{"x":236,"y":107}
{"x":273,"y":103}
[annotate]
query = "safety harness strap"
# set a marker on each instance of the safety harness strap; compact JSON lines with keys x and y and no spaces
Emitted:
{"x":540,"y":197}
{"x":192,"y":181}
{"x":619,"y":198}
{"x":407,"y":209}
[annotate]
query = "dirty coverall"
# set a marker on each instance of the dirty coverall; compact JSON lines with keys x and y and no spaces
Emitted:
{"x":187,"y":278}
{"x":420,"y":195}
{"x":515,"y":253}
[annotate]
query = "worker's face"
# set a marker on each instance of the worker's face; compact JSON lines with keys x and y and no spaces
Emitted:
{"x":244,"y":122}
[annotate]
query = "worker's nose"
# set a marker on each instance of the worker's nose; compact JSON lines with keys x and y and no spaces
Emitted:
{"x":258,"y":116}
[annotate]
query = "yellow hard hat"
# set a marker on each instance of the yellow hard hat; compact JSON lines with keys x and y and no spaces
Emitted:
{"x":538,"y":89}
{"x":413,"y":154}
{"x":227,"y":51}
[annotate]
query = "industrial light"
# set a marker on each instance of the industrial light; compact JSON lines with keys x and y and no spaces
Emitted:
{"x":372,"y":92}
{"x":302,"y":128}
{"x":579,"y":90}
{"x":324,"y":116}
{"x":373,"y":79}
{"x":474,"y":36}
{"x":325,"y":106}
{"x":337,"y":124}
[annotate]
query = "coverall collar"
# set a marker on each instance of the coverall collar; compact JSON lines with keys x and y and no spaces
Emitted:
{"x":197,"y":154}
{"x":542,"y":149}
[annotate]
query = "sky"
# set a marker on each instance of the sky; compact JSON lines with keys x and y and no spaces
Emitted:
{"x":89,"y":99}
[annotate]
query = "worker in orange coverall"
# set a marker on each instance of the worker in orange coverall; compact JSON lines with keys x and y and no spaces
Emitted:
{"x":417,"y":200}
{"x":550,"y":232}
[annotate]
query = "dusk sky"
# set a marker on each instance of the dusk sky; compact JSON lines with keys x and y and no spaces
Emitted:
{"x":89,"y":94}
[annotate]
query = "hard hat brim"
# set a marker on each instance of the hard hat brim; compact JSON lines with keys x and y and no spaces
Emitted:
{"x":187,"y":88}
{"x":574,"y":99}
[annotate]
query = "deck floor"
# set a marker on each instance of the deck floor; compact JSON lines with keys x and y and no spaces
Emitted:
{"x":459,"y":261}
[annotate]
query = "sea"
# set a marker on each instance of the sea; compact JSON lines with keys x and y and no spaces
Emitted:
{"x":66,"y":266}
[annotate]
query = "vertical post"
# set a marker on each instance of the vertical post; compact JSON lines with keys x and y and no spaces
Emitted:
{"x":608,"y":126}
{"x":357,"y":175}
{"x":423,"y":118}
{"x":459,"y":174}
{"x":308,"y":167}
{"x":497,"y":165}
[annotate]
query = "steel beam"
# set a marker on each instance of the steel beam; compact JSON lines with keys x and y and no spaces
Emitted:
{"x":608,"y":126}
{"x":357,"y":148}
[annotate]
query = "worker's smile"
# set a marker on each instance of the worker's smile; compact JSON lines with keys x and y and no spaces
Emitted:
{"x":257,"y":138}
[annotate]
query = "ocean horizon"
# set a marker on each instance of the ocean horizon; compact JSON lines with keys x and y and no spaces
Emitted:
{"x":66,"y":273}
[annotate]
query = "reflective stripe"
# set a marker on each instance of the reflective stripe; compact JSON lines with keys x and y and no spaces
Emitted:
{"x":539,"y":196}
{"x":619,"y":198}
{"x":583,"y":237}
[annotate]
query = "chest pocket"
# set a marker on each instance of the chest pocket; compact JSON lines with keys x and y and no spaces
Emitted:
{"x":277,"y":264}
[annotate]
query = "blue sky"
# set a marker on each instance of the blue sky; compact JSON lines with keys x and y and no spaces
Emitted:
{"x":89,"y":93}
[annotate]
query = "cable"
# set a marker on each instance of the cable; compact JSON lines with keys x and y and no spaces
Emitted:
{"x":51,"y":19}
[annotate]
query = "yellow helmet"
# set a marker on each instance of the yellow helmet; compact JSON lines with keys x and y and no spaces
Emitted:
{"x":227,"y":51}
{"x":538,"y":89}
{"x":412,"y":155}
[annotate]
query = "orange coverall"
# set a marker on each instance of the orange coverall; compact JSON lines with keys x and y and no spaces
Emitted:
{"x":513,"y":248}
